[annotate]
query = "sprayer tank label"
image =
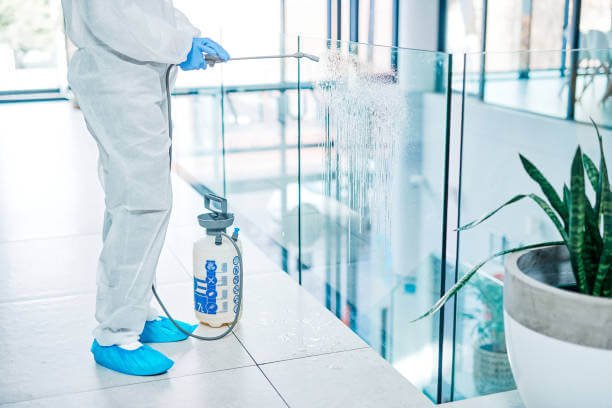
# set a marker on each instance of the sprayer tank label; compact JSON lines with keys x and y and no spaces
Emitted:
{"x":211,"y":294}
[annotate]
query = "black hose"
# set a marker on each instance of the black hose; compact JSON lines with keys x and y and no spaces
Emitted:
{"x":169,"y":103}
{"x":238,"y":306}
{"x":238,"y":252}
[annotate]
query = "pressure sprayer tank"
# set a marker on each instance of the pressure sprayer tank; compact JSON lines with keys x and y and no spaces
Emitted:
{"x":216,"y":266}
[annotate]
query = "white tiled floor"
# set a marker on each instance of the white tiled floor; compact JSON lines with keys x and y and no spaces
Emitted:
{"x":282,"y":321}
{"x":61,"y":266}
{"x":352,"y":378}
{"x":239,"y":387}
{"x":287,"y":351}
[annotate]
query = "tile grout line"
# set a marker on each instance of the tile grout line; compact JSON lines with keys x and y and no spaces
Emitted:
{"x":314,"y":355}
{"x":60,"y":296}
{"x":177,"y":259}
{"x":128,"y":385}
{"x":255,"y":364}
{"x":54,"y":297}
{"x":66,"y":236}
{"x":47,"y":297}
{"x":260,"y":370}
{"x":51,"y":238}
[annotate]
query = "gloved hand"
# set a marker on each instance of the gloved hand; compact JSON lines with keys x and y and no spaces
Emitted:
{"x":199,"y":48}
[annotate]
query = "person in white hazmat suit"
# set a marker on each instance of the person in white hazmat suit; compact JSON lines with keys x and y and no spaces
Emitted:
{"x":118,"y":76}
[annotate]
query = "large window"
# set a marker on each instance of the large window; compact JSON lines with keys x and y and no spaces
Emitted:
{"x":521,"y":25}
{"x":375,"y":21}
{"x":32,"y":47}
{"x":464,"y":25}
{"x":595,"y":15}
{"x":234,"y":23}
{"x":364,"y":21}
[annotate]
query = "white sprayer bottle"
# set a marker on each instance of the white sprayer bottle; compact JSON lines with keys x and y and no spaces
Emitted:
{"x":216,"y":266}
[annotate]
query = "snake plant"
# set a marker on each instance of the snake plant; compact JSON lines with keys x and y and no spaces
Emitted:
{"x":585,"y":227}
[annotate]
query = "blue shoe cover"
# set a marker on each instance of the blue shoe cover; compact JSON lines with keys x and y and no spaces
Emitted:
{"x":163,"y":331}
{"x":142,"y":361}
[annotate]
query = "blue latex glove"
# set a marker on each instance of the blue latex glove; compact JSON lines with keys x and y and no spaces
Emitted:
{"x":199,"y":48}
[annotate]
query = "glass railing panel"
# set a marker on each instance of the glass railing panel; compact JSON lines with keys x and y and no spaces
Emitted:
{"x":236,"y":134}
{"x":260,"y":145}
{"x":197,"y":121}
{"x":373,"y":150}
{"x":342,"y":165}
{"x":491,"y":173}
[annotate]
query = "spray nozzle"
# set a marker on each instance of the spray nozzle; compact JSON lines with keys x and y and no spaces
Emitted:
{"x":235,"y":234}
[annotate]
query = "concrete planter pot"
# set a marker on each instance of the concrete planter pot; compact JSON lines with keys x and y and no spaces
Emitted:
{"x":559,"y":342}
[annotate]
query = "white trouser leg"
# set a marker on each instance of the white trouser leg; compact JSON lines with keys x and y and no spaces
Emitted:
{"x":130,"y":126}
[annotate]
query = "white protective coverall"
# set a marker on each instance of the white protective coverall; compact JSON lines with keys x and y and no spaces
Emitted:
{"x":118,"y":77}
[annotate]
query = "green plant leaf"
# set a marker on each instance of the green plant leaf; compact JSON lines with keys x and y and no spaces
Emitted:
{"x":537,"y":199}
{"x":485,"y":217}
{"x":566,"y":200}
{"x":551,"y":214}
{"x":591,"y":255}
{"x":465,"y":278}
{"x":604,"y":181}
{"x":593,"y":242}
{"x":548,"y":190}
{"x":592,"y":237}
{"x":577,"y":222}
{"x":607,"y":292}
{"x":604,"y":269}
{"x":592,"y":172}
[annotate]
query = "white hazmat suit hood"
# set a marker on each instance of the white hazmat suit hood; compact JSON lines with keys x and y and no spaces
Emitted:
{"x":118,"y":77}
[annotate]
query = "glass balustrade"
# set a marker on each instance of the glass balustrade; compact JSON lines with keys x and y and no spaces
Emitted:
{"x":488,"y":172}
{"x":237,"y":136}
{"x":352,"y":173}
{"x":373,"y":131}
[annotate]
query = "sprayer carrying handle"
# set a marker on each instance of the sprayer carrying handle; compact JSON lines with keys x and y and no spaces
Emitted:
{"x":219,"y":204}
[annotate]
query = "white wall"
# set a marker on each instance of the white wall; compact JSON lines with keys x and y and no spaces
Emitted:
{"x":492,"y":171}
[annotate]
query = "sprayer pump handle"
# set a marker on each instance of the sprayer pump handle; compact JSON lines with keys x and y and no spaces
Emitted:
{"x":219,"y":204}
